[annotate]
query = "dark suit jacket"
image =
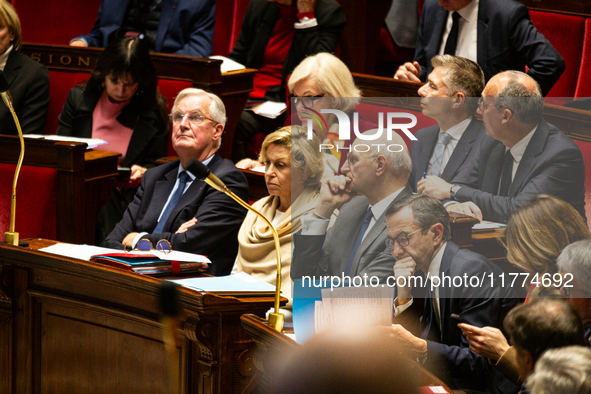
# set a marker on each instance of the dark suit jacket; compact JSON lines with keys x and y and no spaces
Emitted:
{"x":507,"y":40}
{"x":449,"y":357}
{"x":185,"y":27}
{"x":148,"y":142}
{"x":421,"y":151}
{"x":552,"y":164}
{"x":328,"y":254}
{"x":28,"y":83}
{"x":218,"y":216}
{"x":257,"y":27}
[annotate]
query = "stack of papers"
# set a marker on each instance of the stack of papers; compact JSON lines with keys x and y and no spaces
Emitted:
{"x":270,"y":109}
{"x":486,"y":226}
{"x":353,"y":307}
{"x":151,"y":262}
{"x":239,"y":285}
{"x":92,"y":142}
{"x":228,"y":64}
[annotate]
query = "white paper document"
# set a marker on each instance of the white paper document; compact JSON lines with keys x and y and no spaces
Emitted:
{"x":238,"y":283}
{"x":85,"y":252}
{"x":92,"y":142}
{"x":485,"y":225}
{"x":228,"y":64}
{"x":354,"y":307}
{"x":269,"y":109}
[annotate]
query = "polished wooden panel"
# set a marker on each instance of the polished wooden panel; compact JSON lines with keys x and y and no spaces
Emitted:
{"x":233,"y":87}
{"x":85,"y":181}
{"x":257,"y":188}
{"x":72,"y":326}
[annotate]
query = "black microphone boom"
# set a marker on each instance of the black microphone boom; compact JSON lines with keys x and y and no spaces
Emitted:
{"x":201,"y":171}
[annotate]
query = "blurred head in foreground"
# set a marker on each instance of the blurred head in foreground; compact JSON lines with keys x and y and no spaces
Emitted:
{"x":358,"y":362}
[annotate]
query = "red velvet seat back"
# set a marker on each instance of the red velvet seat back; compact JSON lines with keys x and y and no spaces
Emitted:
{"x":583,"y":85}
{"x":50,"y":22}
{"x":60,"y":84}
{"x":170,"y":89}
{"x":35,"y":201}
{"x":565,"y":33}
{"x":228,"y":22}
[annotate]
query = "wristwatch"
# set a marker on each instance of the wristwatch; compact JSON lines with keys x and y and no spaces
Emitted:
{"x":452,"y":192}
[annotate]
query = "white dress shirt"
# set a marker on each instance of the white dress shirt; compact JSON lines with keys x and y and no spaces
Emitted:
{"x":311,"y":225}
{"x":467,"y":32}
{"x":456,"y":133}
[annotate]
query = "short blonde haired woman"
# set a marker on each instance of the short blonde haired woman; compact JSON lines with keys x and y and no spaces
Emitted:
{"x":293,"y":169}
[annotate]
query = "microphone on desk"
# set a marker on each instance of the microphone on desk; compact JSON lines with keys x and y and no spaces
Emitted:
{"x":11,"y":236}
{"x":169,"y":305}
{"x":201,"y":171}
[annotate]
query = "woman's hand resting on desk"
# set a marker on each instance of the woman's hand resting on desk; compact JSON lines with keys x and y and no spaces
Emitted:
{"x":248,"y":164}
{"x":488,"y":342}
{"x":137,"y":172}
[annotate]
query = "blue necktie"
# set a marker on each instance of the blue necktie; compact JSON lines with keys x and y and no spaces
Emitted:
{"x":362,"y":231}
{"x":183,"y":178}
{"x":452,"y":39}
{"x":442,"y":141}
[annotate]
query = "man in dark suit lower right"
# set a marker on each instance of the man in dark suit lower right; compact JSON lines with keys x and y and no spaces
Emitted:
{"x":419,"y":236}
{"x":449,"y":97}
{"x":521,"y":157}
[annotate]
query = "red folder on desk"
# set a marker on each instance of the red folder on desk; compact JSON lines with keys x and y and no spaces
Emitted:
{"x":149,"y":264}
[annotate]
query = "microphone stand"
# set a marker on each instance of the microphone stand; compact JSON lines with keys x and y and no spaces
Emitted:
{"x":11,"y":237}
{"x":276,"y":319}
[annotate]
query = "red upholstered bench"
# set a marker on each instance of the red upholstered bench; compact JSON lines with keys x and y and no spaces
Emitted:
{"x":50,"y":22}
{"x":565,"y":33}
{"x":60,"y":84}
{"x":583,"y":86}
{"x":46,"y":23}
{"x":35,"y":201}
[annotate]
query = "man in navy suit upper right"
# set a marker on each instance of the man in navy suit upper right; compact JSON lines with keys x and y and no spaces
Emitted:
{"x":521,"y":157}
{"x":496,"y":34}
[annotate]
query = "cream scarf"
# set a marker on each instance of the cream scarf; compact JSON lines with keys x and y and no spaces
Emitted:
{"x":256,"y":253}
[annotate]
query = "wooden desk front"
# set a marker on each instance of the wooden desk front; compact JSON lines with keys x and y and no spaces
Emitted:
{"x":85,"y":181}
{"x":69,"y":326}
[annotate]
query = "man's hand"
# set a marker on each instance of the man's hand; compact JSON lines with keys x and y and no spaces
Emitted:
{"x":333,"y":194}
{"x":306,"y":5}
{"x":466,"y":208}
{"x":78,"y":43}
{"x":409,"y":72}
{"x":404,"y":268}
{"x":128,"y":240}
{"x":488,"y":342}
{"x":406,"y":340}
{"x":185,"y":226}
{"x":433,"y":186}
{"x":248,"y":164}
